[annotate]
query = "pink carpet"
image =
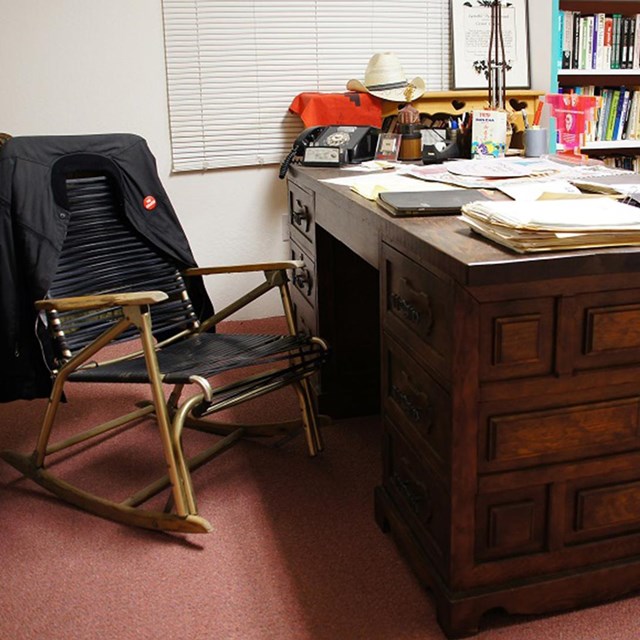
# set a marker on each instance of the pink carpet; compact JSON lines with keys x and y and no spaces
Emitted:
{"x":295,"y":553}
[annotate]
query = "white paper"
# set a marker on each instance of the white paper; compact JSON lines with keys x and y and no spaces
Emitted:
{"x":533,"y":190}
{"x":369,"y":186}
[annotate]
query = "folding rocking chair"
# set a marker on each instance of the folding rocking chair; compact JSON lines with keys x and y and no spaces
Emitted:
{"x":112,"y":284}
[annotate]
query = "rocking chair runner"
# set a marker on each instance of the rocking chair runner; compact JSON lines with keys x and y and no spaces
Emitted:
{"x":112,"y":284}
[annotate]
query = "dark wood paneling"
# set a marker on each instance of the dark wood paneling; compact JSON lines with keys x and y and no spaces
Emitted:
{"x":554,"y":435}
{"x":517,"y":338}
{"x":417,"y":309}
{"x":417,"y":404}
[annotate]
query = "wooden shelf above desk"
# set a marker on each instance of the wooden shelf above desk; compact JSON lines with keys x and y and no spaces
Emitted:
{"x":457,"y":102}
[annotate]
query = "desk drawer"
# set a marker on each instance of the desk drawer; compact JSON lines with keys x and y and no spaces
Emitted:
{"x":304,"y":279}
{"x":417,"y":309}
{"x":608,"y":328}
{"x":521,"y":439}
{"x":602,"y":507}
{"x":303,"y":292}
{"x":417,"y":404}
{"x":421,"y":498}
{"x":302,"y":211}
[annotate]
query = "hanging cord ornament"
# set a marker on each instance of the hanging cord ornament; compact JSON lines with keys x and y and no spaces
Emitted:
{"x":497,"y":64}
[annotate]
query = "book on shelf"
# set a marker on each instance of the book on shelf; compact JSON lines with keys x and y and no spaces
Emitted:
{"x":615,"y":43}
{"x":598,"y":41}
{"x":616,"y":114}
{"x":613,"y":114}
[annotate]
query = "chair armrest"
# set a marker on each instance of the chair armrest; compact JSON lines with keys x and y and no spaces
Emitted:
{"x":99,"y":301}
{"x":240,"y":268}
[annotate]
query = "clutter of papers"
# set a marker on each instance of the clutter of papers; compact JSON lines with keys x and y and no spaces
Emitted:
{"x":369,"y":186}
{"x":551,"y":225}
{"x":551,"y":205}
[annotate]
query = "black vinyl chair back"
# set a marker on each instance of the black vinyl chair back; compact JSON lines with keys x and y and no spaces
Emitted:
{"x":102,"y":253}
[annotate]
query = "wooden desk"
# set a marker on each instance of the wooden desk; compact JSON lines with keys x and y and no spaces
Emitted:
{"x":510,"y":391}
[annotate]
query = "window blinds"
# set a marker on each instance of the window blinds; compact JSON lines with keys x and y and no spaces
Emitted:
{"x":234,"y":66}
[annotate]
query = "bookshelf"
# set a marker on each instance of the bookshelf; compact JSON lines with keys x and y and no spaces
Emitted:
{"x":598,"y":52}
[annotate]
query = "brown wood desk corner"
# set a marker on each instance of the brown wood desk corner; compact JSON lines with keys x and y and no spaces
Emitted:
{"x":509,"y":387}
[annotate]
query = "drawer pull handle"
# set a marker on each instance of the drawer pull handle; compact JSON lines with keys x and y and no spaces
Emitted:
{"x":425,"y":313}
{"x":404,"y":307}
{"x":403,"y":400}
{"x":303,"y":280}
{"x":300,"y":215}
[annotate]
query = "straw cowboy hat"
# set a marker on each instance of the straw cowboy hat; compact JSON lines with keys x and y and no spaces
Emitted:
{"x":385,"y":79}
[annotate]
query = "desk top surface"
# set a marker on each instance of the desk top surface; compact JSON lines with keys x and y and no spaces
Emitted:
{"x":446,"y":243}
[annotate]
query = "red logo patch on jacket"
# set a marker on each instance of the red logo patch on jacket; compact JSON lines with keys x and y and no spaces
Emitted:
{"x":149,"y":203}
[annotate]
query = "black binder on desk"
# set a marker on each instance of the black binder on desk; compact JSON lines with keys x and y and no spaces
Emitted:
{"x":428,"y":203}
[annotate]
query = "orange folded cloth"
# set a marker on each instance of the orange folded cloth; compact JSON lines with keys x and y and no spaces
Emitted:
{"x":337,"y":108}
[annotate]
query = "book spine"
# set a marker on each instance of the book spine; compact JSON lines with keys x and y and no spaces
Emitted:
{"x":608,"y":35}
{"x":631,"y":35}
{"x":613,"y":110}
{"x":636,"y":43}
{"x":624,"y":118}
{"x":631,"y":132}
{"x":615,"y":43}
{"x":604,"y":113}
{"x":598,"y":47}
{"x":616,"y":134}
{"x":575,"y":49}
{"x":631,"y":42}
{"x":624,"y":43}
{"x":566,"y":18}
{"x":588,"y":51}
{"x":593,"y":64}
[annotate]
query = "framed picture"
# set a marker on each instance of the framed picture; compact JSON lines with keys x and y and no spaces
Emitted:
{"x":471,"y":34}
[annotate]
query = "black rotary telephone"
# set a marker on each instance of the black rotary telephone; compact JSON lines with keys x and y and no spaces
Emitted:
{"x":332,"y":146}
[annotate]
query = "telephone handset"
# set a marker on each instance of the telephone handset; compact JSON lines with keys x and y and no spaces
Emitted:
{"x":301,"y":143}
{"x":332,"y":146}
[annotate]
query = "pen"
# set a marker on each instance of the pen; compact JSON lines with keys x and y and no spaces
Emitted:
{"x":538,"y":113}
{"x":525,"y":120}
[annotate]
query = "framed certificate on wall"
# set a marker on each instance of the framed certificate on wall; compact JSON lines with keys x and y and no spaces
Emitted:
{"x":471,"y":36}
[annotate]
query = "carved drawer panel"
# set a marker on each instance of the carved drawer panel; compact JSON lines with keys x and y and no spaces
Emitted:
{"x":573,"y":432}
{"x":304,"y":279}
{"x":511,"y":523}
{"x":417,"y":404}
{"x":302,"y":211}
{"x":602,"y":507}
{"x":517,"y":338}
{"x":609,"y":329}
{"x":420,"y":496}
{"x":418,"y":309}
{"x":304,"y":313}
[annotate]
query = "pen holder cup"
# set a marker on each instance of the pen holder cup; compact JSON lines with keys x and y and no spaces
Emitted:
{"x":464,"y":143}
{"x":535,"y":142}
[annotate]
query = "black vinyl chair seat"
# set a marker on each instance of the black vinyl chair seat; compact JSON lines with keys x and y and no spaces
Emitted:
{"x":205,"y":355}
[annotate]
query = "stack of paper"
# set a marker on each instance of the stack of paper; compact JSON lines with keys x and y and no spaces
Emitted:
{"x":553,"y":225}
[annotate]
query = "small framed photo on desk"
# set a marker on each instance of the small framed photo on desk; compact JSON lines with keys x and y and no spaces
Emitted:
{"x":471,"y":35}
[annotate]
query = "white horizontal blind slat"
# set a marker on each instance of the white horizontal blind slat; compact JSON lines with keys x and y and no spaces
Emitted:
{"x":234,"y":66}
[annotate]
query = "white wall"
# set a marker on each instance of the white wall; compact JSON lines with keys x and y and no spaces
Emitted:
{"x":95,"y":66}
{"x":540,"y":24}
